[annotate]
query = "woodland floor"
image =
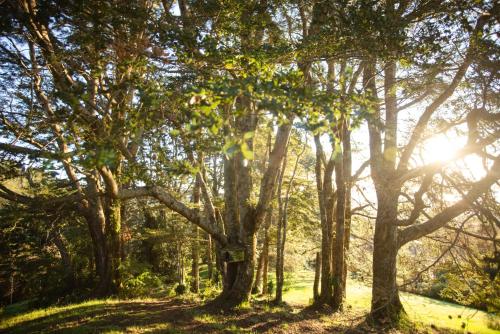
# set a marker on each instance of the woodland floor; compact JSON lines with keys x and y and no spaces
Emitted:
{"x":188,"y":315}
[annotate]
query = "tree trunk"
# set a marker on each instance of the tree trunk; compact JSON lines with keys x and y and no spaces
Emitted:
{"x":195,"y":266}
{"x":257,"y":285}
{"x":265,"y":254}
{"x":339,"y":250}
{"x":66,"y":261}
{"x":210,"y":260}
{"x":280,"y":261}
{"x":347,"y":161}
{"x":326,"y":203}
{"x":195,"y":245}
{"x":317,"y":276}
{"x":239,"y":277}
{"x":95,"y":225}
{"x":386,"y":305}
{"x":115,"y":245}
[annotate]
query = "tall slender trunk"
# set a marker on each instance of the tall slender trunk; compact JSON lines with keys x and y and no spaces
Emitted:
{"x":195,"y":265}
{"x":347,"y":161}
{"x":280,"y":235}
{"x":325,"y":196}
{"x":257,"y":285}
{"x":339,"y":250}
{"x":210,"y":260}
{"x":317,"y":276}
{"x":265,"y":254}
{"x":195,"y":245}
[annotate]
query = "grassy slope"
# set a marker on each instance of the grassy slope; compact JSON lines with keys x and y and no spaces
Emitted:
{"x":421,"y":309}
{"x":168,"y":316}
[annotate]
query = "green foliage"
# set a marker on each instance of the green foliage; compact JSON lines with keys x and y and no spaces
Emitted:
{"x":180,"y":289}
{"x":139,"y":281}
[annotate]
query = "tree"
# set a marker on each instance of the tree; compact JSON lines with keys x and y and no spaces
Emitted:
{"x":391,"y":167}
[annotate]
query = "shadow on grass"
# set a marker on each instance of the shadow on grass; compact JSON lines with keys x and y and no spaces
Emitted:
{"x":180,"y":316}
{"x":109,"y":317}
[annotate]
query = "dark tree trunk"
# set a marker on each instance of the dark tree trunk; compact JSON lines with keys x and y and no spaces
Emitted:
{"x":386,"y":305}
{"x":317,"y":276}
{"x":239,"y":277}
{"x":66,"y":261}
{"x":101,"y":255}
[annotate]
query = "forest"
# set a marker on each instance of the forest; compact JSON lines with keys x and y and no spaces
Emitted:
{"x":257,"y":166}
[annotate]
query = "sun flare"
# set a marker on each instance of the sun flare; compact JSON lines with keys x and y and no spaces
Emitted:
{"x":440,"y":148}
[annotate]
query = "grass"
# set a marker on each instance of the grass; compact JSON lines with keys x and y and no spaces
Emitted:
{"x":420,"y":309}
{"x":185,"y":315}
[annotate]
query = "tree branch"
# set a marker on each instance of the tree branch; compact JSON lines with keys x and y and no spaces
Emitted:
{"x":441,"y":219}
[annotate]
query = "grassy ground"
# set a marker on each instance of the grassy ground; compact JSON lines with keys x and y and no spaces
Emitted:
{"x":420,"y":309}
{"x":185,"y":315}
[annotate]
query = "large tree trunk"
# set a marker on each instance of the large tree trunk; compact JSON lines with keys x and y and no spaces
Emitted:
{"x":386,"y":305}
{"x":239,"y":277}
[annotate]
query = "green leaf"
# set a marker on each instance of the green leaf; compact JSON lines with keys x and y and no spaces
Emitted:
{"x":246,"y":151}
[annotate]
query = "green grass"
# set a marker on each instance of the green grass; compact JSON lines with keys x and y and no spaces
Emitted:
{"x":159,"y":316}
{"x":420,"y":309}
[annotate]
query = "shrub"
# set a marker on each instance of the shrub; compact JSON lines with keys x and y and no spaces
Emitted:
{"x":180,"y":289}
{"x":141,"y":285}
